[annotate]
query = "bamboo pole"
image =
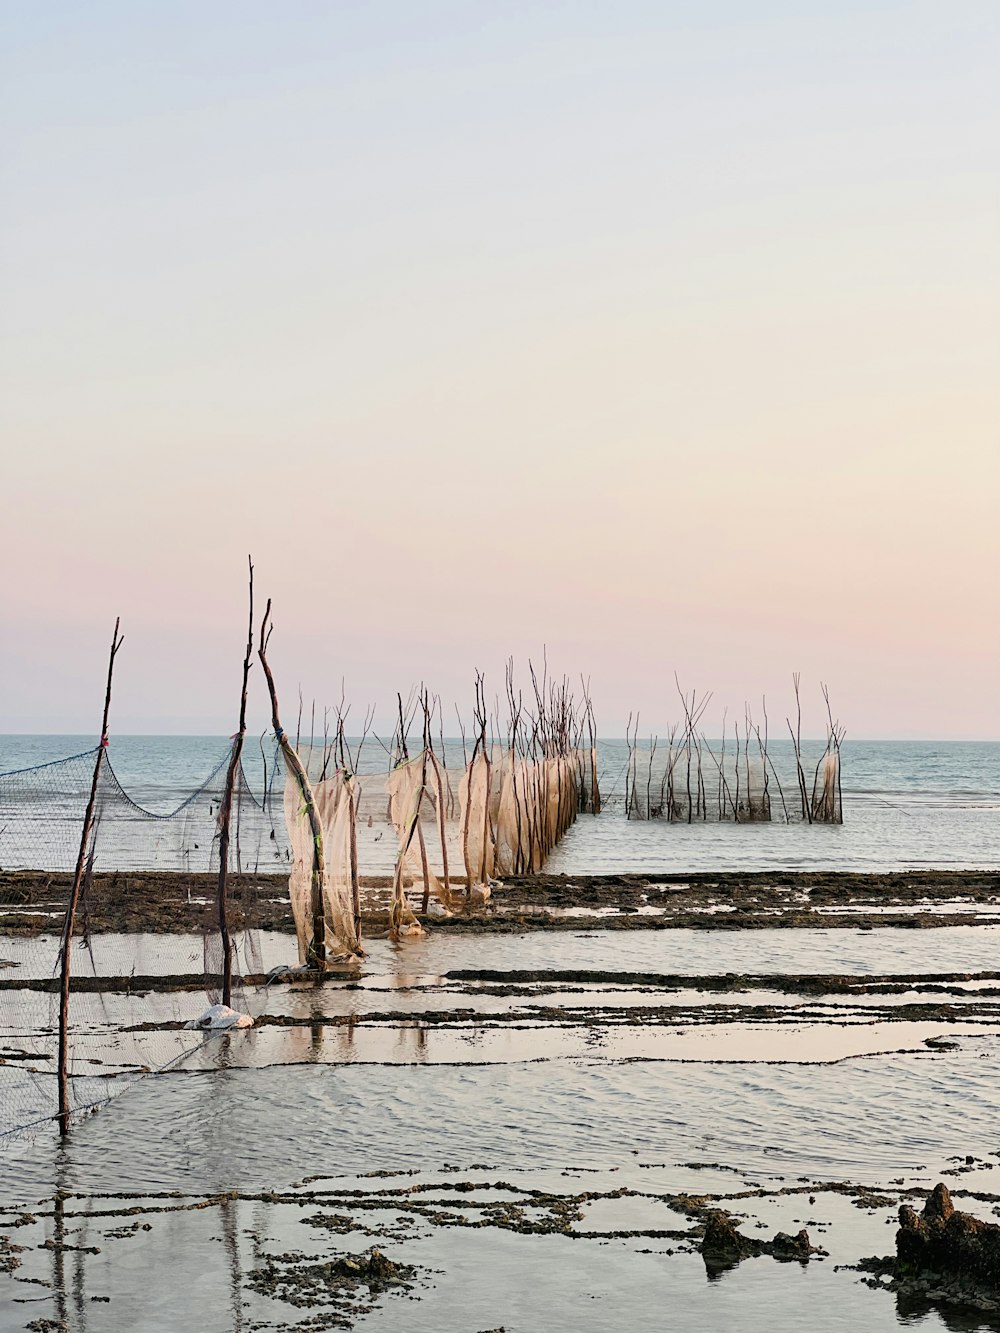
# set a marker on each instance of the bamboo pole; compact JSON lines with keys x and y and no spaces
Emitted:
{"x":595,"y":796}
{"x":628,"y":768}
{"x":438,"y":790}
{"x":467,"y":779}
{"x":487,"y":861}
{"x":425,"y":900}
{"x":398,"y":895}
{"x":424,"y":863}
{"x":74,"y":897}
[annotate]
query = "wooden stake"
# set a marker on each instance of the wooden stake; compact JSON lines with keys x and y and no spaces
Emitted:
{"x":74,"y":897}
{"x":797,"y":742}
{"x":317,"y":947}
{"x":355,"y":883}
{"x":226,"y":810}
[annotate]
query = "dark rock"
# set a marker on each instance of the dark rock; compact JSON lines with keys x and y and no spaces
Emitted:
{"x":946,"y":1244}
{"x":786,"y":1248}
{"x":8,"y":1255}
{"x":939,"y":1206}
{"x":723,"y":1244}
{"x":372,"y":1268}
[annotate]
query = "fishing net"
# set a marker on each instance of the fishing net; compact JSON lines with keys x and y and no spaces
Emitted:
{"x":323,"y":880}
{"x":146,"y":953}
{"x":826,"y":802}
{"x":705,"y":781}
{"x":509,"y":814}
{"x":475,"y":824}
{"x":425,"y":836}
{"x":149,"y":943}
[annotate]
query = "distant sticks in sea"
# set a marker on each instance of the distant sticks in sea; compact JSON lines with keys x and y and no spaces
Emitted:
{"x":688,"y":778}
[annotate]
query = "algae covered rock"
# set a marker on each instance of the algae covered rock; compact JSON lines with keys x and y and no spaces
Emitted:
{"x":788,"y":1248}
{"x":942,"y":1242}
{"x":723,"y":1244}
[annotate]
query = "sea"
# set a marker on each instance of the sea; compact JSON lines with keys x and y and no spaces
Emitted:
{"x":521,"y":1121}
{"x":907,"y":804}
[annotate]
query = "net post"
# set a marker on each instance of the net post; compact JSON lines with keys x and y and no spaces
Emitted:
{"x":317,"y":950}
{"x":74,"y":899}
{"x":226,"y":812}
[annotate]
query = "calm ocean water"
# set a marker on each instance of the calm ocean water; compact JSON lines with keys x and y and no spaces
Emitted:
{"x":906,"y":804}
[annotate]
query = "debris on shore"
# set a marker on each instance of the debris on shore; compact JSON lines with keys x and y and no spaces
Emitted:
{"x":343,"y":1288}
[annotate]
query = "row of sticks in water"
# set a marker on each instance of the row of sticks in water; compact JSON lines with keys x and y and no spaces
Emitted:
{"x":695,"y":781}
{"x":515,"y":800}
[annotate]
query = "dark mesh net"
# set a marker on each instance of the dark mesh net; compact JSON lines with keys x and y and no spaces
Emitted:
{"x":146,"y":953}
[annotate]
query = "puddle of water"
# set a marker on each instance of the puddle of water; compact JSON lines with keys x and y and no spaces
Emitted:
{"x":935,"y":949}
{"x":413,"y":1043}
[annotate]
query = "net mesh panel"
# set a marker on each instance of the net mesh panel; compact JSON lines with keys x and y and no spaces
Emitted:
{"x":475,"y":824}
{"x":131,"y":990}
{"x":40,"y":808}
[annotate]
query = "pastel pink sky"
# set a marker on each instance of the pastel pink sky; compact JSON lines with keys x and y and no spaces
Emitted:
{"x":665,"y":335}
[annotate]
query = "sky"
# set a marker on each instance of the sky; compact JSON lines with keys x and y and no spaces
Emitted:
{"x":662,"y":335}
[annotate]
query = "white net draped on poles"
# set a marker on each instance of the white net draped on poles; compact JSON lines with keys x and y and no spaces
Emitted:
{"x":500,"y":815}
{"x":433,"y":836}
{"x":332,"y":866}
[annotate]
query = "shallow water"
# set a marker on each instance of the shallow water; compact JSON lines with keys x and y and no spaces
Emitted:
{"x":872,"y":838}
{"x":513,"y":1115}
{"x":470,"y":1277}
{"x":943,"y":949}
{"x":468,"y":1093}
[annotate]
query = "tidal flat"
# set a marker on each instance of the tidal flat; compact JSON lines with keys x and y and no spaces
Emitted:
{"x":520,"y":1128}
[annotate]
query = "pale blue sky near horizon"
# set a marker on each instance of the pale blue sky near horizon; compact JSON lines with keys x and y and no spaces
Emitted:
{"x":662,"y":334}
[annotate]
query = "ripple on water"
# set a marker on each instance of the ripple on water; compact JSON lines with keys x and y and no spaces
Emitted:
{"x":254,"y":1129}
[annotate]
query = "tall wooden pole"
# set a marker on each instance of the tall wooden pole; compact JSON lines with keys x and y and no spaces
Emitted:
{"x":317,"y":949}
{"x":74,"y":898}
{"x":226,"y":811}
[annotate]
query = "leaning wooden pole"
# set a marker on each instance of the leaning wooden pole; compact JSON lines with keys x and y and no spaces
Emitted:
{"x":317,"y":947}
{"x":355,"y":882}
{"x":74,"y":898}
{"x":226,"y":813}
